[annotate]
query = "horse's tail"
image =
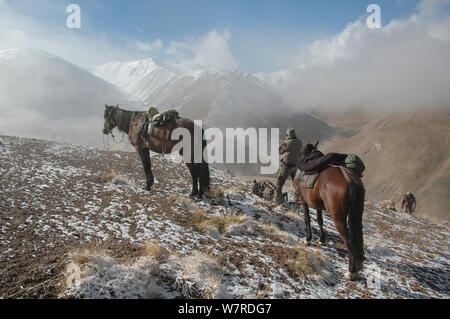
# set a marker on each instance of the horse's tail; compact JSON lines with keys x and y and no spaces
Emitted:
{"x":354,"y":221}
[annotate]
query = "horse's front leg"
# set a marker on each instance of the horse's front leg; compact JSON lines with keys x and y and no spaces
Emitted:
{"x":144,"y":154}
{"x":307,"y":221}
{"x":194,"y":176}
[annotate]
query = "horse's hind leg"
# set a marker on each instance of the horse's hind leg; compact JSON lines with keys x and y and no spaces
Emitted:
{"x":194,"y":175}
{"x":307,"y":221}
{"x":320,"y":222}
{"x":341,"y":227}
{"x":204,"y":178}
{"x":144,"y":154}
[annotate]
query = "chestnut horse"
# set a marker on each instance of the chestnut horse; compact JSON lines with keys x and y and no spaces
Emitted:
{"x":340,"y":192}
{"x":159,"y":142}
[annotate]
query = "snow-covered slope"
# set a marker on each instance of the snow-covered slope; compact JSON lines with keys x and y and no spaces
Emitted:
{"x":42,"y":95}
{"x":94,"y":238}
{"x":130,"y":76}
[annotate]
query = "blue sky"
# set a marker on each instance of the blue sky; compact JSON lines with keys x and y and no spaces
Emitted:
{"x":263,"y":34}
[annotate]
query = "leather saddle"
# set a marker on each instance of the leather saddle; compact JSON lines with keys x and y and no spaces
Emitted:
{"x":158,"y":125}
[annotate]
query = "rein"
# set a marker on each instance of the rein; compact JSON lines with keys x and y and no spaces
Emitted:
{"x":106,"y":145}
{"x":114,"y":140}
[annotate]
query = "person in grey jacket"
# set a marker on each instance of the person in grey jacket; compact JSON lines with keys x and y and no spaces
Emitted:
{"x":290,"y":151}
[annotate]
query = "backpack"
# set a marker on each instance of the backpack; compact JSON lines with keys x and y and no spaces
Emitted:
{"x":355,"y":163}
{"x":264,"y":189}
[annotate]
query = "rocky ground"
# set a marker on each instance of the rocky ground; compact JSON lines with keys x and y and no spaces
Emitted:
{"x":76,"y":222}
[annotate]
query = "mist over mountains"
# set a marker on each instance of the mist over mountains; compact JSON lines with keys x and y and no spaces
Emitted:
{"x":44,"y":96}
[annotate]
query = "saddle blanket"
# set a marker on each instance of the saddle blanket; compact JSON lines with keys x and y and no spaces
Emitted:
{"x":304,"y":180}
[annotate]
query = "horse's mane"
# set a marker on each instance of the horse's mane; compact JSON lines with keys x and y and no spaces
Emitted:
{"x":124,"y":118}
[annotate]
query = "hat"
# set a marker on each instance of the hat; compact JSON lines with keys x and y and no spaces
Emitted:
{"x":290,"y":132}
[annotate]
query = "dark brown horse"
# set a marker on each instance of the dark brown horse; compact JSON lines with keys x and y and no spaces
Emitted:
{"x":159,"y":141}
{"x":340,"y":192}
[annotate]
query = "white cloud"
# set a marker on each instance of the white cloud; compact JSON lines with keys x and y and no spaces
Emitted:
{"x":149,"y":46}
{"x":403,"y":64}
{"x":83,"y":48}
{"x":89,"y":48}
{"x":211,"y":51}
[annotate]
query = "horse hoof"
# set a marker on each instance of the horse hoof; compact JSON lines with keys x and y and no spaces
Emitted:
{"x":307,"y":242}
{"x":351,"y":275}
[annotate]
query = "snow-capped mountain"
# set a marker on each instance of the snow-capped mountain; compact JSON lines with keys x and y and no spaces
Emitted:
{"x":277,"y":79}
{"x":221,"y":99}
{"x":42,"y":95}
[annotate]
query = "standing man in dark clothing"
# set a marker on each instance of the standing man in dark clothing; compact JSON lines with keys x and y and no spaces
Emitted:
{"x":290,"y":151}
{"x":409,"y":202}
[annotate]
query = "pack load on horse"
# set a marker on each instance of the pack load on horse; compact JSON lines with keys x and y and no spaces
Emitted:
{"x":158,"y":139}
{"x":315,"y":162}
{"x":265,"y":189}
{"x":340,"y":191}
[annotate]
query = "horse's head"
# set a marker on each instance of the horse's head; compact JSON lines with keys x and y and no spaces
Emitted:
{"x":308,"y":148}
{"x":110,"y":119}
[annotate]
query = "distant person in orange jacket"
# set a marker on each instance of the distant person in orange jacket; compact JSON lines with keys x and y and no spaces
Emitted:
{"x":409,"y":202}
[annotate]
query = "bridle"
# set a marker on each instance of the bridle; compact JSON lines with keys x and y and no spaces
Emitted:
{"x":106,"y":145}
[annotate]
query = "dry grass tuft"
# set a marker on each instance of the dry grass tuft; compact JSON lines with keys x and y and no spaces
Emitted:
{"x":276,"y":232}
{"x":80,"y":264}
{"x":154,"y":250}
{"x":112,"y":177}
{"x":217,"y":193}
{"x":157,"y":273}
{"x":293,"y":215}
{"x":390,"y":204}
{"x":210,"y":284}
{"x":307,"y":264}
{"x":181,"y":198}
{"x":202,"y":221}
